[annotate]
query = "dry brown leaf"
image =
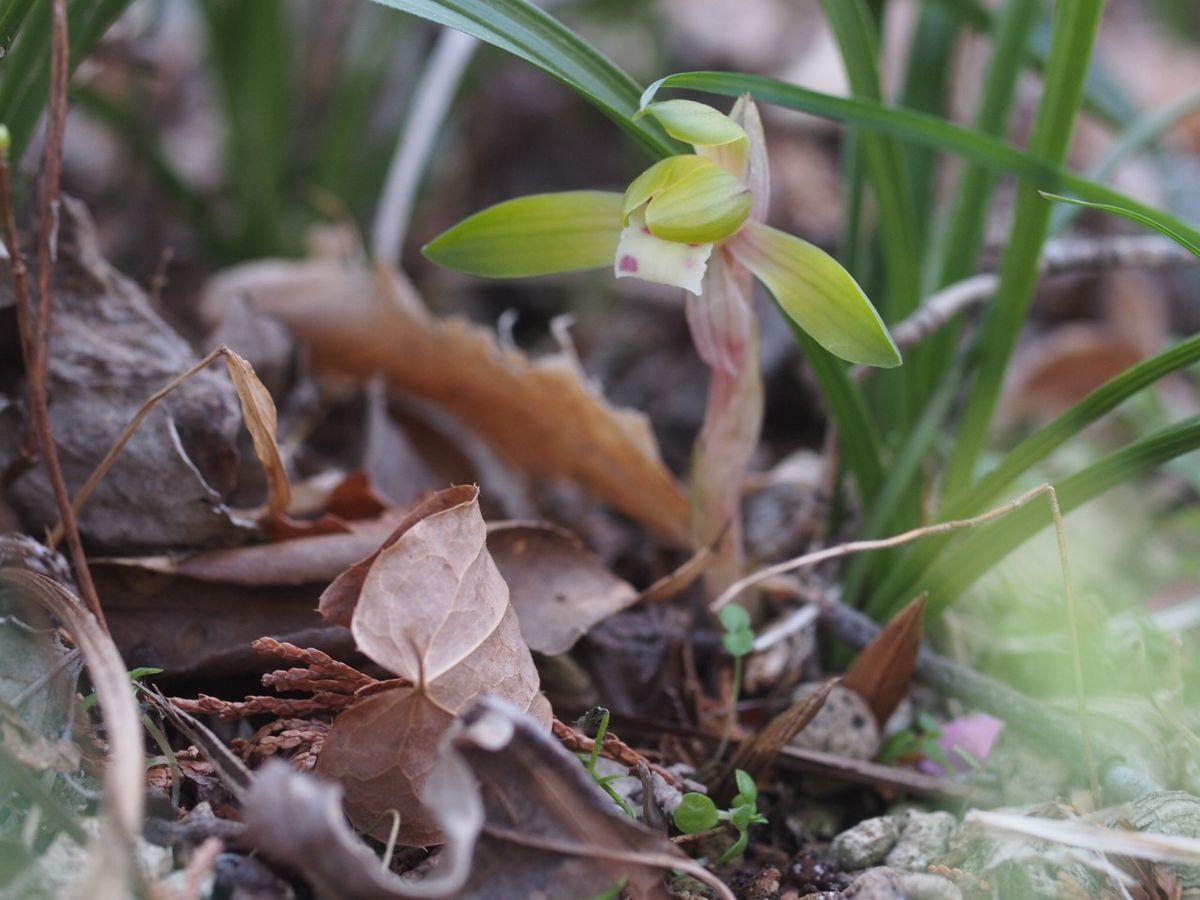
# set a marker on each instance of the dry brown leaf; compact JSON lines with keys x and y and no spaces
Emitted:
{"x":549,"y":831}
{"x":297,"y":820}
{"x":197,"y":613}
{"x":258,"y":414}
{"x":431,"y":607}
{"x":882,"y":671}
{"x":542,"y":414}
{"x":1063,"y":366}
{"x":758,"y":754}
{"x":559,"y":588}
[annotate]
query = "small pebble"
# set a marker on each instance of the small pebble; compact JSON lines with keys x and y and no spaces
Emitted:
{"x":923,"y":886}
{"x":866,"y":844}
{"x":844,"y":726}
{"x":880,"y":883}
{"x":923,"y":839}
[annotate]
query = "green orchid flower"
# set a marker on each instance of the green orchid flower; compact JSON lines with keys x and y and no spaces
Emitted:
{"x":666,"y":228}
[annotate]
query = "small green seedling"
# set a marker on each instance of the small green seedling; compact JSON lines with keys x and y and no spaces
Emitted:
{"x":595,"y":720}
{"x":738,"y":641}
{"x":135,"y":675}
{"x":924,"y":738}
{"x":697,"y":813}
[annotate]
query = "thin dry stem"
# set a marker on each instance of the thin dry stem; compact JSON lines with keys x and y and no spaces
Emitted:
{"x":849,"y":549}
{"x":35,"y":332}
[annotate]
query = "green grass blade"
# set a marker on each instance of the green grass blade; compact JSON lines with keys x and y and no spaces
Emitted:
{"x":26,"y":66}
{"x":964,"y":235}
{"x":538,"y":38}
{"x":1075,"y":26}
{"x":903,"y":475}
{"x":958,"y":250}
{"x":854,"y":29}
{"x":1137,"y":137}
{"x":856,"y":436}
{"x":1182,"y":240}
{"x":1035,"y":448}
{"x":926,"y":89}
{"x":250,"y":52}
{"x":979,"y":552}
{"x":12,"y":14}
{"x":929,"y":131}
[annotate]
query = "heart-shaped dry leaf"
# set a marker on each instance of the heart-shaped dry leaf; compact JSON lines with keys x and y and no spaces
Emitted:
{"x":431,"y":607}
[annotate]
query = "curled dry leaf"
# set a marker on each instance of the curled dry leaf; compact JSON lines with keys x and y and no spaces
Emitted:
{"x":110,"y":352}
{"x":758,"y":754}
{"x":258,"y":412}
{"x":559,"y":588}
{"x":110,"y":868}
{"x":297,"y":820}
{"x":543,"y":415}
{"x":548,"y":829}
{"x":431,"y":607}
{"x":198,"y":613}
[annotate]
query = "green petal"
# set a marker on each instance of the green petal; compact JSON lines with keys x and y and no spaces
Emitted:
{"x":708,"y":204}
{"x":537,"y":235}
{"x":656,"y":178}
{"x":817,"y":293}
{"x":696,"y":123}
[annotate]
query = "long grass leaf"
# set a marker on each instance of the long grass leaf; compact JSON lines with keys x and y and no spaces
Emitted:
{"x":1136,"y":216}
{"x":856,"y":435}
{"x":538,"y":38}
{"x":26,"y":66}
{"x":1035,"y":448}
{"x":974,"y":556}
{"x":921,"y":129}
{"x":1075,"y":26}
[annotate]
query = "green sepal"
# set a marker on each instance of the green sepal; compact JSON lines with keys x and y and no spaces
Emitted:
{"x":541,"y":234}
{"x":817,"y":294}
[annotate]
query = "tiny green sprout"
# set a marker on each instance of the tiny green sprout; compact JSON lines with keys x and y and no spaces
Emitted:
{"x":668,"y":224}
{"x":697,"y":813}
{"x":738,"y":641}
{"x":135,"y":675}
{"x":738,"y":637}
{"x":613,"y":891}
{"x":594,"y":723}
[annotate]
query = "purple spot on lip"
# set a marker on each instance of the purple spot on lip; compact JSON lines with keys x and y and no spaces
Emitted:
{"x":645,"y":230}
{"x":693,"y":245}
{"x":628,"y":264}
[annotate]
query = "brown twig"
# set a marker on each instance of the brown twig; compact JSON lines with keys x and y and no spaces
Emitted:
{"x":613,"y":748}
{"x":20,"y":279}
{"x":36,"y":331}
{"x":1064,"y":255}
